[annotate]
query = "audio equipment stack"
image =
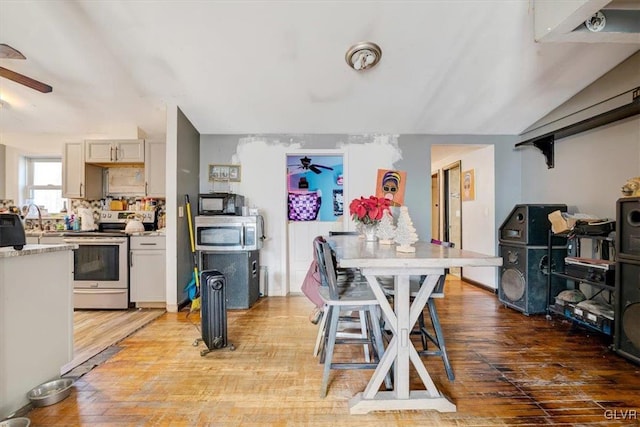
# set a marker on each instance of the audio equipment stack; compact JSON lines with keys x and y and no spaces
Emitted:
{"x":524,"y":236}
{"x":626,"y":340}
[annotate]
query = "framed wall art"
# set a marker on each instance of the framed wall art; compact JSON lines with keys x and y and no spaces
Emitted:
{"x":224,"y":173}
{"x":468,"y":185}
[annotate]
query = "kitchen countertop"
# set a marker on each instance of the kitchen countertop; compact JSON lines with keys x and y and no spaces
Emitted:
{"x":8,"y":252}
{"x":31,"y":233}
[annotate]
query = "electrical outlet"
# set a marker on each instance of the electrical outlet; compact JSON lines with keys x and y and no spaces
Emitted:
{"x":180,"y":211}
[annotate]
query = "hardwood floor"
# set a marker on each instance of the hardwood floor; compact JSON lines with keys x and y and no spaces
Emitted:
{"x":510,"y":370}
{"x":95,"y":330}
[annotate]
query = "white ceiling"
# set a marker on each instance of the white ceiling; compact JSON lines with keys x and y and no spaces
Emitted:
{"x":447,"y":67}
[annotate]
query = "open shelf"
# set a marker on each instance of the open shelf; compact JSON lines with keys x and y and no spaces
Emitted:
{"x":604,"y":327}
{"x":579,"y":315}
{"x":588,"y":282}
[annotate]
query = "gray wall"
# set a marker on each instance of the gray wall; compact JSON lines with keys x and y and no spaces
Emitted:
{"x":188,"y":160}
{"x":590,"y":168}
{"x":416,"y":160}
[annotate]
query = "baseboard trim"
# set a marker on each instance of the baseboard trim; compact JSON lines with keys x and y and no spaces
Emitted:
{"x":479,"y":285}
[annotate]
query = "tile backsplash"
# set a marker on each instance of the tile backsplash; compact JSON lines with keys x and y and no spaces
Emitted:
{"x":6,"y":203}
{"x":52,"y":221}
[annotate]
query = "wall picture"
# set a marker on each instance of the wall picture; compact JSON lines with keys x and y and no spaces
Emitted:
{"x":391,"y":185}
{"x":468,"y":185}
{"x":338,"y":202}
{"x":224,"y":173}
{"x":314,"y":186}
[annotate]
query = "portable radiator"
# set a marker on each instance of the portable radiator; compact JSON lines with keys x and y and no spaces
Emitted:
{"x":213,"y":313}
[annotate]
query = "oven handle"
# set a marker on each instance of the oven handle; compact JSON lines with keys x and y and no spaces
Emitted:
{"x":92,"y":241}
{"x":99,"y":291}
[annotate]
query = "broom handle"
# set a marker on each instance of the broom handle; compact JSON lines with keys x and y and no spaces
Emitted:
{"x":192,"y":240}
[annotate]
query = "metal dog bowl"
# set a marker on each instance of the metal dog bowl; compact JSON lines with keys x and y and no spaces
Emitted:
{"x":16,"y":422}
{"x":50,"y":392}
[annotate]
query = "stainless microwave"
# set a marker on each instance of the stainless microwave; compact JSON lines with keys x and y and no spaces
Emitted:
{"x":229,"y":233}
{"x":220,"y":204}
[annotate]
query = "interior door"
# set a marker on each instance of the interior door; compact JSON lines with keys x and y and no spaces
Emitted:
{"x":301,"y":235}
{"x":435,"y":206}
{"x":452,"y":216}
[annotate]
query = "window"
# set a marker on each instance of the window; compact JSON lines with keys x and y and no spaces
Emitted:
{"x":44,"y":183}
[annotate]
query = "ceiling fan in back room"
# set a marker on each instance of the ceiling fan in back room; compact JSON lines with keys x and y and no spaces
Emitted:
{"x":7,"y":52}
{"x":307,"y":165}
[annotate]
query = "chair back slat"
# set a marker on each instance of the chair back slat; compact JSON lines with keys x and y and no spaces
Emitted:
{"x":330,"y":270}
{"x":319,"y":258}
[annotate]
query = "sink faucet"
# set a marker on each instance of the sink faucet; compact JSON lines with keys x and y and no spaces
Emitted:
{"x":39,"y":215}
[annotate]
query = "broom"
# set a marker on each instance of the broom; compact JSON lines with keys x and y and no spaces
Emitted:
{"x":195,"y":300}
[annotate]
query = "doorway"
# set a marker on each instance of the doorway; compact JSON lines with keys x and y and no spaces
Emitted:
{"x":452,"y":208}
{"x":315,"y":205}
{"x":435,"y":205}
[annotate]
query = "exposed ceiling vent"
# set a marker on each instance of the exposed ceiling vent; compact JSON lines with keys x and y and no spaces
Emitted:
{"x":591,"y":21}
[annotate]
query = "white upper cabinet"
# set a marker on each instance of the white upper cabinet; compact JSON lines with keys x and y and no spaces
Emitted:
{"x":79,"y":181}
{"x":115,"y":151}
{"x":155,"y":168}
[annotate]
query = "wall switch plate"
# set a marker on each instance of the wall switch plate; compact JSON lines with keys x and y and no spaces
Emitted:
{"x":180,"y":211}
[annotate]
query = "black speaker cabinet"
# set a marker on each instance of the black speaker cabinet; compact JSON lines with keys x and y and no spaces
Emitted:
{"x":628,"y":223}
{"x":523,"y":277}
{"x":242,"y":273}
{"x":626,"y":340}
{"x":529,"y":225}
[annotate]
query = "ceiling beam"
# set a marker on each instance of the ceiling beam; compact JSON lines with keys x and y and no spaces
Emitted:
{"x":562,"y":21}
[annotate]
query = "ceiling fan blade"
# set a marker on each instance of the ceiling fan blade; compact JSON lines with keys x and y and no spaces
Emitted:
{"x":323,"y":167}
{"x":314,"y":169}
{"x":8,"y":52}
{"x":24,"y":80}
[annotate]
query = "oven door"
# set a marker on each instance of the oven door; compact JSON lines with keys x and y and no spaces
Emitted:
{"x":100,"y":272}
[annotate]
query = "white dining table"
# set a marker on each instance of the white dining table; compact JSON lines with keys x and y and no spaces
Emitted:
{"x":375,"y":259}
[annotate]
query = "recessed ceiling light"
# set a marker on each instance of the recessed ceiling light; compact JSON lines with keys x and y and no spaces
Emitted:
{"x":363,"y":55}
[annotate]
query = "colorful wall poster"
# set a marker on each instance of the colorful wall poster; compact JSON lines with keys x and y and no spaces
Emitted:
{"x":314,"y":185}
{"x":391,"y":185}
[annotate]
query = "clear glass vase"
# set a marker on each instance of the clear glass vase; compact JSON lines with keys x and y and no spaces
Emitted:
{"x":370,"y":232}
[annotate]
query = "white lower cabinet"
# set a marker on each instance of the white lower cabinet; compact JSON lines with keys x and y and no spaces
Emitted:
{"x":147,"y":270}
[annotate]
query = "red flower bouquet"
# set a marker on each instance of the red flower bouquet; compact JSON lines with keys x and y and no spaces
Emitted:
{"x":369,"y":211}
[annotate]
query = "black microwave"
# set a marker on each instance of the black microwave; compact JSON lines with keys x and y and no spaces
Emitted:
{"x":220,"y":204}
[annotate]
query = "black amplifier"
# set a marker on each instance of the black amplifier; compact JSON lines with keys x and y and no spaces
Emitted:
{"x":591,"y":274}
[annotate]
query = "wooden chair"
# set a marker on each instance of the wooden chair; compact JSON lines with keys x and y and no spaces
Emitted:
{"x":358,"y":298}
{"x":436,"y":337}
{"x":348,"y":323}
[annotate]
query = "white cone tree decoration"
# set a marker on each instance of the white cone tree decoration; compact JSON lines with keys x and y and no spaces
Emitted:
{"x":386,"y":229}
{"x":405,"y":232}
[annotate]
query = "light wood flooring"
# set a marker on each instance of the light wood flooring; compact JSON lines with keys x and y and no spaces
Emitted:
{"x":510,"y":370}
{"x":95,"y":330}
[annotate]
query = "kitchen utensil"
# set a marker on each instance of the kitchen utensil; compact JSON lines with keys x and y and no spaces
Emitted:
{"x":50,"y":392}
{"x":134,"y":224}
